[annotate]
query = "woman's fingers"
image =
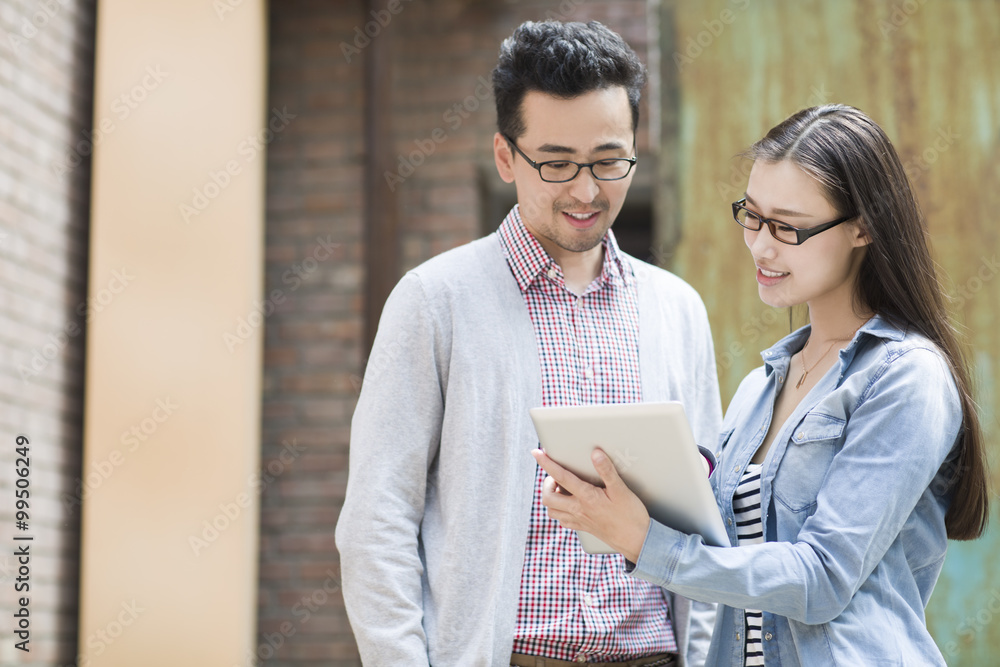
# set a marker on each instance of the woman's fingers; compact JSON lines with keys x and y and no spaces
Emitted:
{"x":562,"y":507}
{"x":613,"y":514}
{"x":606,"y":469}
{"x":551,"y":488}
{"x":564,"y":478}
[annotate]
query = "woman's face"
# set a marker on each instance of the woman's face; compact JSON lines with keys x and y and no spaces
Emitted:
{"x":822,"y":270}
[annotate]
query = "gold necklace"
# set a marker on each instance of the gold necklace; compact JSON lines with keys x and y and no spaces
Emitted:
{"x":805,"y":371}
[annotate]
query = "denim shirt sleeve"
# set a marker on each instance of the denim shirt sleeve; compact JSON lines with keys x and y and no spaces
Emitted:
{"x":899,"y":434}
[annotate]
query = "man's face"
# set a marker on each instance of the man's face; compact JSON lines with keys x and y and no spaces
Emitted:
{"x":570,"y":217}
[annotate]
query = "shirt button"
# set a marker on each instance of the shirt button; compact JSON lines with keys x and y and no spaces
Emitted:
{"x":730,"y":521}
{"x":781,"y":378}
{"x":579,"y":303}
{"x":767,"y":636}
{"x":588,"y":373}
{"x":800,"y":436}
{"x":581,"y":658}
{"x":552,"y":273}
{"x":737,"y":636}
{"x":588,"y":600}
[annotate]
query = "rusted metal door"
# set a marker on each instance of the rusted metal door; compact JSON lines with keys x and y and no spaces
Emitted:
{"x":929,"y":73}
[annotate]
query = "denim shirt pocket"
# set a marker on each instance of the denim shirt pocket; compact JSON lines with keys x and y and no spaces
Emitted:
{"x":814,"y":442}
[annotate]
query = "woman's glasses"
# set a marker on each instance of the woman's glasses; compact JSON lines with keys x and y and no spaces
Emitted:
{"x":779,"y":230}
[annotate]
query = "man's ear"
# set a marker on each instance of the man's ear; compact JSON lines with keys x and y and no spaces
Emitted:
{"x":504,"y":158}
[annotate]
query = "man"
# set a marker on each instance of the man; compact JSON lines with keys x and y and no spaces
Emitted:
{"x":448,"y":557}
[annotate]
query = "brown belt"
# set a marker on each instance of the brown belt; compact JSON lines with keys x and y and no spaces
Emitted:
{"x":658,"y":660}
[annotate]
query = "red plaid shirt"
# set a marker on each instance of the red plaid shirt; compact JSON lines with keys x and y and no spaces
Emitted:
{"x":572,"y":604}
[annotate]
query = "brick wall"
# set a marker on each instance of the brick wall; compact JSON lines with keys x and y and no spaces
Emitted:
{"x":443,"y":120}
{"x":46,"y":81}
{"x":313,"y":341}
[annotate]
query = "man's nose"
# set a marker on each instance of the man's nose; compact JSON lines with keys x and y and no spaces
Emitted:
{"x":584,"y":187}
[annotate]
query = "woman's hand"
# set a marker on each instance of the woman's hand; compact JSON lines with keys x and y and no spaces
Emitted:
{"x":613,"y":514}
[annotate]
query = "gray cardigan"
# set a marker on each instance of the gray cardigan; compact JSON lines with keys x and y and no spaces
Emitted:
{"x":435,"y":520}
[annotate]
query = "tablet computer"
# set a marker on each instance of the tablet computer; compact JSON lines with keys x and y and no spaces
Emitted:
{"x":652,"y":447}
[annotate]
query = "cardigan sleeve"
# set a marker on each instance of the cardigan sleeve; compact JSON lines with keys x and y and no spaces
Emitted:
{"x":395,"y":434}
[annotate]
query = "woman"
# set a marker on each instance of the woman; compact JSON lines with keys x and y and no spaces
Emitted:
{"x":849,"y":459}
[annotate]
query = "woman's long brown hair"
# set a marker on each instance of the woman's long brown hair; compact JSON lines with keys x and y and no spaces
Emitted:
{"x":853,"y":159}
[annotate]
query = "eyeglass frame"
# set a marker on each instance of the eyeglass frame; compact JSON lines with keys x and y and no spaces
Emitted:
{"x":579,"y":165}
{"x":801,"y":235}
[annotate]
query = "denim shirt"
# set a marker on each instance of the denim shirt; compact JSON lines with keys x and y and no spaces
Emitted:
{"x":854,"y":491}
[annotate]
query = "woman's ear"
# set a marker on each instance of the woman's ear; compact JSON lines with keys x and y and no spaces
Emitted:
{"x":861,"y":235}
{"x":504,"y":158}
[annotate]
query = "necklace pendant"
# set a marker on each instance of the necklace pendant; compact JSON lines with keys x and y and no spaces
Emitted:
{"x":801,"y":380}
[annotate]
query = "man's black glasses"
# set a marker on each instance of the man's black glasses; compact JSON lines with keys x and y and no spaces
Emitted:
{"x":561,"y":171}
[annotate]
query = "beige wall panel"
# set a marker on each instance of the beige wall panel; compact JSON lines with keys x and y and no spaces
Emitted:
{"x":172,"y":404}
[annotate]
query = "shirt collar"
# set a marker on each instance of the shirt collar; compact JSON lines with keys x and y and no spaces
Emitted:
{"x":778,"y":356}
{"x":529,"y":261}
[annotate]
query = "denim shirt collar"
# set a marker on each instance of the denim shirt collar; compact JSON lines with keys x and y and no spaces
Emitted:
{"x":778,"y":356}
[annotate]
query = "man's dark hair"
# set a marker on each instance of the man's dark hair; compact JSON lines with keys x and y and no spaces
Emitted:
{"x":565,"y":60}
